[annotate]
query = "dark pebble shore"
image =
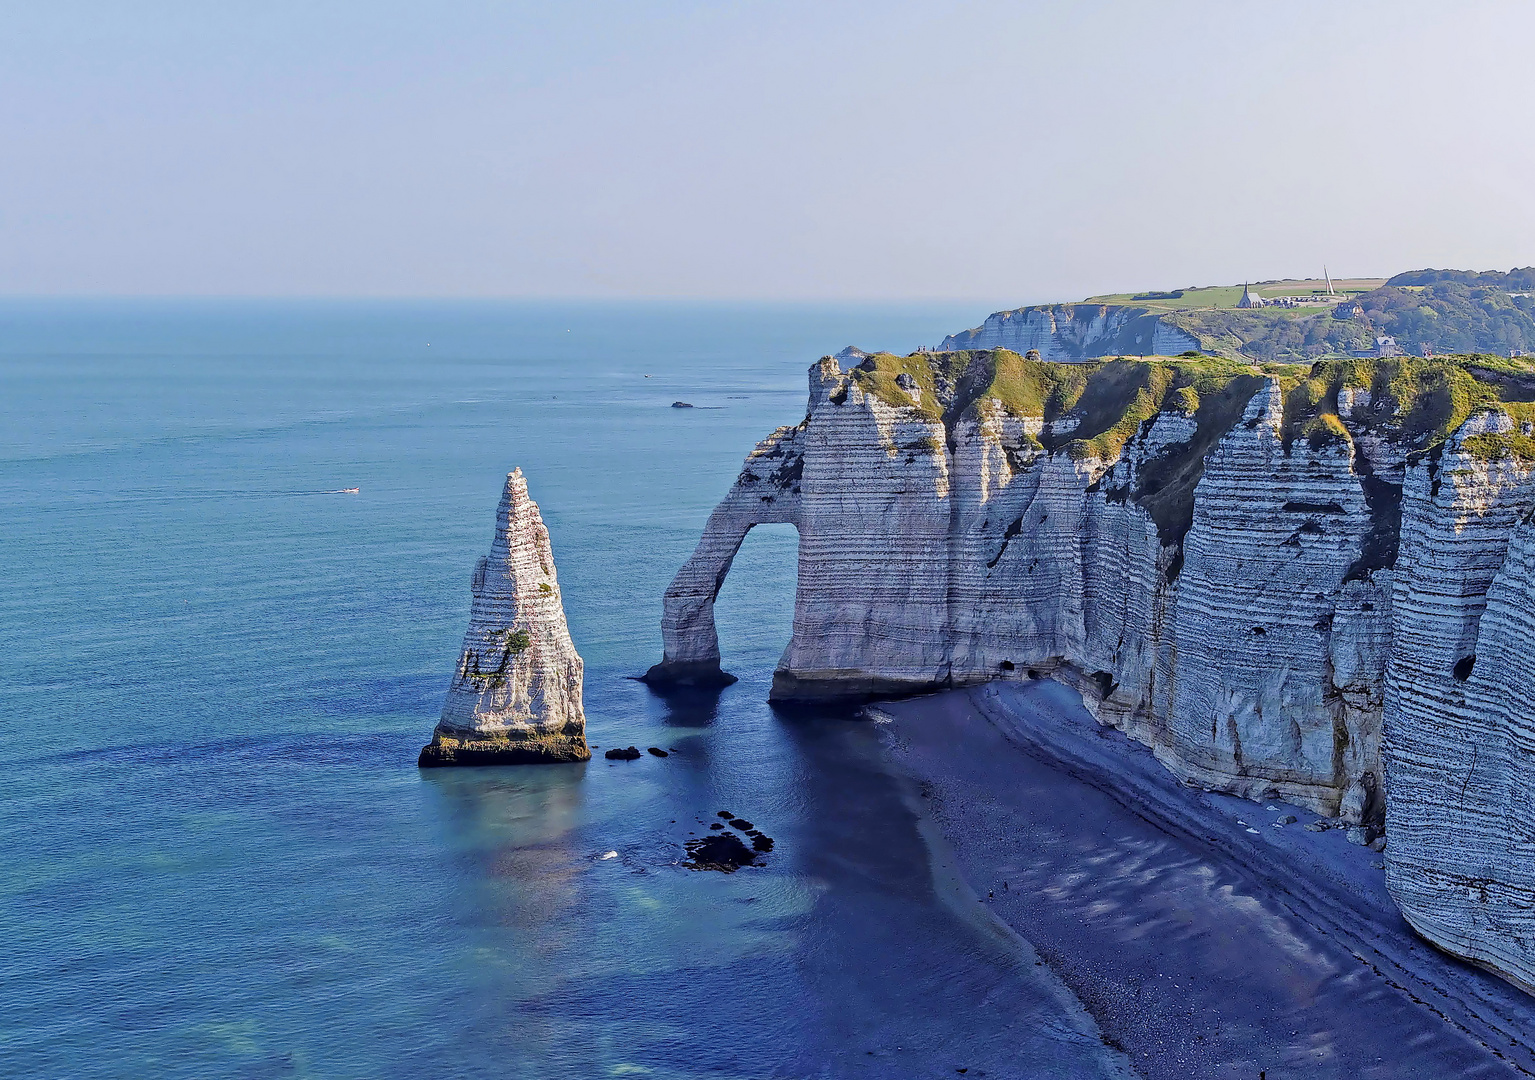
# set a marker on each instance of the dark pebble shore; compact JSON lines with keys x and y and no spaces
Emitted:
{"x":1206,"y":935}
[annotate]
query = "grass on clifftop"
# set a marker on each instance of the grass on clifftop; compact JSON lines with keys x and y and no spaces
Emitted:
{"x":1113,"y":398}
{"x":1121,"y":395}
{"x":1417,"y":402}
{"x":1413,"y":401}
{"x":1226,"y":296}
{"x":877,"y":376}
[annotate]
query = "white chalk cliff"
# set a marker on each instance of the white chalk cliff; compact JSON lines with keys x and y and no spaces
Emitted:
{"x":1076,"y":332}
{"x":1256,"y":572}
{"x":516,"y":693}
{"x":1460,"y":693}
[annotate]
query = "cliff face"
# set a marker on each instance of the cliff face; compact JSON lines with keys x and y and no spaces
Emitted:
{"x":516,"y":693}
{"x":1076,"y":332}
{"x":1460,"y":689}
{"x":1226,"y":561}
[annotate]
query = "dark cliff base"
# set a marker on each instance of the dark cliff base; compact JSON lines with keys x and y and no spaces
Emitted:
{"x":833,"y":689}
{"x":701,"y":674}
{"x":844,"y":688}
{"x":544,"y":748}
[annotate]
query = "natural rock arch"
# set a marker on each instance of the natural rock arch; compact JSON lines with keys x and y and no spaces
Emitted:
{"x":767,"y":491}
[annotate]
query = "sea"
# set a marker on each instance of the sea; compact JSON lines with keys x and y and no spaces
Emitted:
{"x":217,"y":855}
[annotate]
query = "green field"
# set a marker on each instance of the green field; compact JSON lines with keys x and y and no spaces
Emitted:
{"x":1443,"y":316}
{"x":1226,"y":296}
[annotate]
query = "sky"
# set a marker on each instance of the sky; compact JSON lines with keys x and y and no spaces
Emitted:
{"x":1012,"y":152}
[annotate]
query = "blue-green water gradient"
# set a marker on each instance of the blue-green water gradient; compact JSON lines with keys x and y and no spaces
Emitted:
{"x":217,"y":856}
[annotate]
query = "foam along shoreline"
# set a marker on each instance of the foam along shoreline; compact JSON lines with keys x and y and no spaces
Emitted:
{"x":1201,"y":938}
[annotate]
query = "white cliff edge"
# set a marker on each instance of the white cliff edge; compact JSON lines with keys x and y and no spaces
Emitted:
{"x":1283,"y":596}
{"x":1075,"y":332}
{"x":516,"y":693}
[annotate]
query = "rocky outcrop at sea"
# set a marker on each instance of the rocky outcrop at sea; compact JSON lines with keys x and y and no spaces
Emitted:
{"x":516,"y":693}
{"x":1310,"y":585}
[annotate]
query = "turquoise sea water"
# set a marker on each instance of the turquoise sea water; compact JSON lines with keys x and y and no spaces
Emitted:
{"x":217,"y":857}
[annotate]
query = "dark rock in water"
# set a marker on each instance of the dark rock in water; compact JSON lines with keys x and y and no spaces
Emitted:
{"x":623,"y":753}
{"x":682,"y":405}
{"x":742,"y":824}
{"x":716,"y":825}
{"x":657,"y":751}
{"x":760,"y":842}
{"x":704,"y":674}
{"x":722,"y":851}
{"x":726,"y":814}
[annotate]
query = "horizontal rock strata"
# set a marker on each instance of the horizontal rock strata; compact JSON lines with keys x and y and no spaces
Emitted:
{"x":1254,"y":571}
{"x":1076,"y":332}
{"x":1460,"y":690}
{"x":516,"y":693}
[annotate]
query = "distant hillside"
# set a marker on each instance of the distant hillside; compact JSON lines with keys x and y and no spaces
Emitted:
{"x":1451,"y":317}
{"x":1519,"y":279}
{"x":1442,"y":311}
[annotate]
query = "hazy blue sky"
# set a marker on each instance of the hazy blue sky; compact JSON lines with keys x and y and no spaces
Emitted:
{"x":996,"y":151}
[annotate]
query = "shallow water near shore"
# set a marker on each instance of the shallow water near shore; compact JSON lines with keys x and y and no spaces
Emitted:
{"x":219,"y":858}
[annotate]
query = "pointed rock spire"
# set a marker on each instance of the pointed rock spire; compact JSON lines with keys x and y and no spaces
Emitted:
{"x":516,"y":693}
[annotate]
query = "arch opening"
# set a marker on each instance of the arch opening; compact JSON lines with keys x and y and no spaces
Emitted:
{"x":754,"y":609}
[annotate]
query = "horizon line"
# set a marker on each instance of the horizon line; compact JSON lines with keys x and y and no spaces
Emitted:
{"x":583,"y":298}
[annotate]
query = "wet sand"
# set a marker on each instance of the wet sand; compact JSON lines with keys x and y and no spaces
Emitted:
{"x":1205,"y":940}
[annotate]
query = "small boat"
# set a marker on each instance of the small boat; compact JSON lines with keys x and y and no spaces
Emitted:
{"x":682,"y":404}
{"x":350,"y":491}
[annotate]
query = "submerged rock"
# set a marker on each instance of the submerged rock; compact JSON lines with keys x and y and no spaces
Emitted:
{"x":656,"y":751}
{"x":721,"y":851}
{"x":516,"y":693}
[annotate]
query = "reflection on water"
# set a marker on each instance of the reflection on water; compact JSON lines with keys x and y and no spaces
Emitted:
{"x":518,"y":824}
{"x":689,"y":706}
{"x":841,"y":955}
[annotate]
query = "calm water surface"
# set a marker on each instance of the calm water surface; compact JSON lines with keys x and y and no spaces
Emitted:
{"x":217,"y":857}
